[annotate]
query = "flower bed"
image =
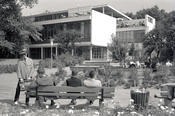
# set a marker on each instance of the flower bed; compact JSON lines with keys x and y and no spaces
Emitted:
{"x":11,"y":110}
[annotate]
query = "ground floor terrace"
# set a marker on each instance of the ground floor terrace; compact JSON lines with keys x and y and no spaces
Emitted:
{"x":88,"y":52}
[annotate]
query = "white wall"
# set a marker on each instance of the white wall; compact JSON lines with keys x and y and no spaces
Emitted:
{"x":102,"y":27}
{"x":150,"y":26}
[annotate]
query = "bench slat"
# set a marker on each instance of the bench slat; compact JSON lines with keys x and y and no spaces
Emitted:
{"x":68,"y":94}
{"x":67,"y":89}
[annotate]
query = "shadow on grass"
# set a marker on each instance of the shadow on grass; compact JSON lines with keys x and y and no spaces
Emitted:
{"x":8,"y":101}
{"x":62,"y":107}
{"x":79,"y":107}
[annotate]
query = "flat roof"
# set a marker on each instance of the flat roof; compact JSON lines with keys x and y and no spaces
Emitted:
{"x":108,"y":8}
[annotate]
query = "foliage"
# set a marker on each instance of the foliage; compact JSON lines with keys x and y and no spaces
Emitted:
{"x":18,"y":30}
{"x":154,"y":42}
{"x":68,"y":60}
{"x":66,"y":39}
{"x":132,"y":50}
{"x":162,"y":39}
{"x":155,"y":12}
{"x":132,"y":78}
{"x":8,"y":68}
{"x":150,"y":111}
{"x":110,"y":76}
{"x":117,"y":49}
{"x":46,"y":63}
{"x":62,"y":61}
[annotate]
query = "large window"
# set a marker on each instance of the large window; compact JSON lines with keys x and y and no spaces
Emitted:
{"x":139,"y":36}
{"x":125,"y":36}
{"x":35,"y":53}
{"x":98,"y":53}
{"x":51,"y":17}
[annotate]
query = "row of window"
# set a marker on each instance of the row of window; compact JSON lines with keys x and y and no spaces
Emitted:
{"x":131,"y":36}
{"x":51,"y":17}
{"x":97,"y":52}
{"x":51,"y":30}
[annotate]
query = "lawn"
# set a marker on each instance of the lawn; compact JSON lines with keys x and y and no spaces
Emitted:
{"x":7,"y":90}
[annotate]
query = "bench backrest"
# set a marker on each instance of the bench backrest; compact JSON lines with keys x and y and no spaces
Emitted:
{"x":68,"y":92}
{"x":65,"y":91}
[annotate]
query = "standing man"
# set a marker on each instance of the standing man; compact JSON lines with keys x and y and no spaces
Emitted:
{"x":25,"y":71}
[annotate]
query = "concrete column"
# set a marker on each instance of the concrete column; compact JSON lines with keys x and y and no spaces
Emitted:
{"x":82,"y":29}
{"x":56,"y":51}
{"x":42,"y":57}
{"x":90,"y":52}
{"x":72,"y":52}
{"x":29,"y":55}
{"x":64,"y":27}
{"x":103,"y":10}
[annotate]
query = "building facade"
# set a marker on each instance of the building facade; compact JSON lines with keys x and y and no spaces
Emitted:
{"x":96,"y":25}
{"x":132,"y":32}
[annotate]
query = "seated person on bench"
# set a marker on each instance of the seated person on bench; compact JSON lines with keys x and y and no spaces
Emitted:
{"x":92,"y":82}
{"x":42,"y":80}
{"x":73,"y":81}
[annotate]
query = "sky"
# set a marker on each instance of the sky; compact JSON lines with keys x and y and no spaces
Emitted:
{"x":121,"y":5}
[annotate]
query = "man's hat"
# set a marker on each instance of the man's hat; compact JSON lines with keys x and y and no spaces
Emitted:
{"x":23,"y":51}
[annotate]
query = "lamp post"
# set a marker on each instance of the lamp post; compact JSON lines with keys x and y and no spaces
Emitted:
{"x":51,"y":58}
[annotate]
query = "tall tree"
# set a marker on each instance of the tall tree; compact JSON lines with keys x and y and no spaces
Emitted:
{"x":155,"y":12}
{"x":117,"y":49}
{"x":131,"y":15}
{"x":169,"y":32}
{"x":18,"y":30}
{"x":154,"y":41}
{"x":163,"y":37}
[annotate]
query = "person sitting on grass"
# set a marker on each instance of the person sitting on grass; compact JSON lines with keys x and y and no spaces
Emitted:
{"x":73,"y":81}
{"x":42,"y":80}
{"x":92,"y":82}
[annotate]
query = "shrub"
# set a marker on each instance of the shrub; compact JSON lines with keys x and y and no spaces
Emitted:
{"x":8,"y":68}
{"x":110,"y":76}
{"x":68,"y":60}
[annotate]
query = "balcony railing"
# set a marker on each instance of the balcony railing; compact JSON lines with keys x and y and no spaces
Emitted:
{"x":132,"y":23}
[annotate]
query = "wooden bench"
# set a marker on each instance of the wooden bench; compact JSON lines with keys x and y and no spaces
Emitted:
{"x":65,"y":92}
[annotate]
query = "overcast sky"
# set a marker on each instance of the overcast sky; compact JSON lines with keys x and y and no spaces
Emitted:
{"x":121,"y":5}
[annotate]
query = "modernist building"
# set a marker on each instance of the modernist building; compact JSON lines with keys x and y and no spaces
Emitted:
{"x":132,"y":32}
{"x":95,"y":23}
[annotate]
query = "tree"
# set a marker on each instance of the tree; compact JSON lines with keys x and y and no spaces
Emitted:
{"x":131,"y":15}
{"x":155,"y":12}
{"x":162,"y":38}
{"x":118,"y":51}
{"x":66,"y":39}
{"x":169,"y":31}
{"x":132,"y":50}
{"x":18,"y":30}
{"x":154,"y":41}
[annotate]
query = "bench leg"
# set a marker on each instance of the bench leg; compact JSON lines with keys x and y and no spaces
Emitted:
{"x":27,"y":98}
{"x":101,"y":100}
